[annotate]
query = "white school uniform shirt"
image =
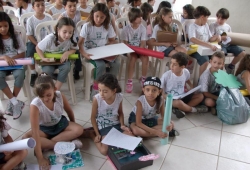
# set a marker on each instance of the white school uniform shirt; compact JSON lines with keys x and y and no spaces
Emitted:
{"x":29,"y":9}
{"x":49,"y":117}
{"x":96,"y":36}
{"x":170,"y":83}
{"x":87,"y":10}
{"x":4,"y":133}
{"x":48,"y":45}
{"x":9,"y":49}
{"x":134,"y":36}
{"x":32,"y":22}
{"x":108,"y":114}
{"x":217,"y":29}
{"x":200,"y":32}
{"x":54,"y":10}
{"x":76,"y":19}
{"x":154,"y":35}
{"x":147,"y":110}
{"x":208,"y":83}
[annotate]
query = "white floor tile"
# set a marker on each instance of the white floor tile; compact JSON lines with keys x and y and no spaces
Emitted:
{"x":241,"y":129}
{"x":15,"y":133}
{"x":200,"y":139}
{"x":201,"y":118}
{"x":91,"y":162}
{"x":235,"y":147}
{"x":184,"y":159}
{"x":228,"y":164}
{"x":215,"y":125}
{"x":82,"y":110}
{"x":181,"y":124}
{"x":108,"y":165}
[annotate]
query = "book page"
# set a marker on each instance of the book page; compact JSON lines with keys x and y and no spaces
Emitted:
{"x":186,"y":94}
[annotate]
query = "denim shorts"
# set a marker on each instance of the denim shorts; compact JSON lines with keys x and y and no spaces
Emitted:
{"x":200,"y":59}
{"x":236,"y":50}
{"x":31,"y":49}
{"x":18,"y":74}
{"x":105,"y":131}
{"x":168,"y":50}
{"x":148,"y":122}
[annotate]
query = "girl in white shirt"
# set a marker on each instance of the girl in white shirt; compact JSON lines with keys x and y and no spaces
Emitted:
{"x":107,"y":111}
{"x":23,"y":7}
{"x":98,"y":32}
{"x":163,"y":22}
{"x":48,"y":124}
{"x":57,"y":8}
{"x":143,"y":119}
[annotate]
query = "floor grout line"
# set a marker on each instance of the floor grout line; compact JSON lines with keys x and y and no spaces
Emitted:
{"x":219,"y":148}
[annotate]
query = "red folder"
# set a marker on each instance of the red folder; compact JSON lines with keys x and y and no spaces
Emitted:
{"x":147,"y":52}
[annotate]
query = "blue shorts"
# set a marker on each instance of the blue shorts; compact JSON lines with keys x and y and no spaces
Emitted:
{"x":148,"y":122}
{"x":168,"y":50}
{"x":236,"y":50}
{"x":200,"y":59}
{"x":31,"y":49}
{"x":105,"y":131}
{"x":187,"y":98}
{"x":2,"y":156}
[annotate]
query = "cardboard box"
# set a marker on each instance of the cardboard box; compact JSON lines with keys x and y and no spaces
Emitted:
{"x":207,"y":51}
{"x":123,"y":160}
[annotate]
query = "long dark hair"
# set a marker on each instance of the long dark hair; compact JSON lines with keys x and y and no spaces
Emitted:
{"x":146,"y":9}
{"x":68,"y":22}
{"x":110,"y":81}
{"x":244,"y":65}
{"x":190,"y":11}
{"x":2,"y":125}
{"x":162,"y":5}
{"x":102,"y":8}
{"x":158,"y":101}
{"x":5,"y":17}
{"x":20,"y":11}
{"x":158,"y":20}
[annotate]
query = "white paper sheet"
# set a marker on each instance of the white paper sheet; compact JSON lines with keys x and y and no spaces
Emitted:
{"x":109,"y":50}
{"x":18,"y":145}
{"x":36,"y":167}
{"x":118,"y":139}
{"x":189,"y":92}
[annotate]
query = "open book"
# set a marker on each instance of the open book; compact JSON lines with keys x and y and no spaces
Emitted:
{"x":186,"y":94}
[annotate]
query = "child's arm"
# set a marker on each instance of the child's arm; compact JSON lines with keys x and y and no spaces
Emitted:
{"x":111,"y":41}
{"x":215,"y":38}
{"x":153,"y":42}
{"x":66,"y":54}
{"x":246,"y":78}
{"x":68,"y":109}
{"x":50,"y":12}
{"x":34,"y":120}
{"x":202,"y":43}
{"x":190,"y":84}
{"x":40,"y":53}
{"x":143,"y":44}
{"x":144,"y":127}
{"x":121,"y":119}
{"x":210,"y":95}
{"x":32,"y":39}
{"x":93,"y":120}
{"x":81,"y":48}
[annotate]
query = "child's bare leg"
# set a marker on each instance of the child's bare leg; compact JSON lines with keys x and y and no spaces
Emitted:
{"x":210,"y":102}
{"x":16,"y":91}
{"x":203,"y":67}
{"x":144,"y":60}
{"x":103,"y":149}
{"x":71,"y":132}
{"x":133,"y":58}
{"x":172,"y":53}
{"x":7,"y":92}
{"x":180,"y":49}
{"x":238,"y":58}
{"x":14,"y":159}
{"x":196,"y":99}
{"x":137,"y":131}
{"x":182,"y":106}
{"x":58,"y":85}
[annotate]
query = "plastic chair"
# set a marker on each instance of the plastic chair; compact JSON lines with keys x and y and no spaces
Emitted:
{"x":9,"y":10}
{"x":118,"y":15}
{"x":25,"y":16}
{"x":48,"y":7}
{"x":14,"y":19}
{"x":211,"y":20}
{"x":49,"y":26}
{"x":55,"y":16}
{"x":25,"y":88}
{"x":177,"y":16}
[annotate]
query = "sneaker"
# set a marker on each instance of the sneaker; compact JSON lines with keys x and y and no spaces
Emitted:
{"x":142,"y":80}
{"x":202,"y":109}
{"x":21,"y":166}
{"x":9,"y":109}
{"x":129,"y":87}
{"x":92,"y":93}
{"x":77,"y":143}
{"x":178,"y":113}
{"x":33,"y":79}
{"x":229,"y":70}
{"x":173,"y":133}
{"x":17,"y":109}
{"x":76,"y":75}
{"x":213,"y":111}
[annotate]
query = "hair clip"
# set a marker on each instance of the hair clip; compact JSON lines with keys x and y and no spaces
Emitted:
{"x":43,"y":74}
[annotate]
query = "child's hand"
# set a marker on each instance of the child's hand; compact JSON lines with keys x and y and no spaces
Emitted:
{"x":175,"y":44}
{"x":8,"y":153}
{"x":171,"y":126}
{"x":64,"y":57}
{"x":44,"y":164}
{"x":98,"y":139}
{"x":213,"y":47}
{"x":223,"y":38}
{"x":126,"y":129}
{"x":87,"y":56}
{"x":167,"y":44}
{"x":45,"y":60}
{"x":10,"y":61}
{"x":161,"y":134}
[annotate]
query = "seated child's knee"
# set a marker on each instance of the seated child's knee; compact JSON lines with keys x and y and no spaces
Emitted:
{"x":104,"y":151}
{"x":209,"y":102}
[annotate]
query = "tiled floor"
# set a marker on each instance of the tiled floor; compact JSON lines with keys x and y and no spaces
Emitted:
{"x":205,"y":143}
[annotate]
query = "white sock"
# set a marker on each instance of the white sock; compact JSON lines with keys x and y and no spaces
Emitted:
{"x":193,"y":110}
{"x":14,"y":101}
{"x":33,"y":71}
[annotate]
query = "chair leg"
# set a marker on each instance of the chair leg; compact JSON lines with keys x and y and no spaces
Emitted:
{"x":27,"y":90}
{"x":72,"y":86}
{"x":121,"y":68}
{"x":163,"y":66}
{"x":1,"y":95}
{"x":87,"y":81}
{"x":126,"y":73}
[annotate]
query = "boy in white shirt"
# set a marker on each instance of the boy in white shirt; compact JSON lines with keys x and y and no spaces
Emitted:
{"x":219,"y":27}
{"x":174,"y":80}
{"x":199,"y":34}
{"x":84,"y":7}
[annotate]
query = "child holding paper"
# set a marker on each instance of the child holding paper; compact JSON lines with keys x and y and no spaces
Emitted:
{"x":143,"y":119}
{"x":59,"y":42}
{"x":199,"y":34}
{"x":135,"y":34}
{"x":209,"y":87}
{"x":32,"y":22}
{"x":219,"y":27}
{"x":48,"y":125}
{"x":11,"y":48}
{"x":107,"y":111}
{"x":98,"y":32}
{"x":10,"y":160}
{"x":174,"y":80}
